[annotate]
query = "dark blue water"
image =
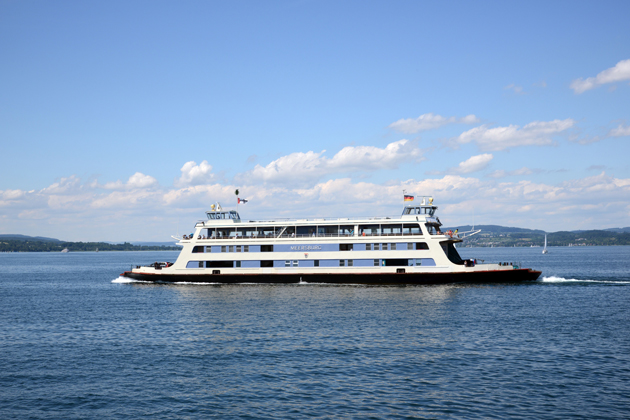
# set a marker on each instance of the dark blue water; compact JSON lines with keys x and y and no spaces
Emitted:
{"x":74,"y":344}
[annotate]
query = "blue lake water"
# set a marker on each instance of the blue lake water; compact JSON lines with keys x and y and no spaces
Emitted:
{"x":77,"y":344}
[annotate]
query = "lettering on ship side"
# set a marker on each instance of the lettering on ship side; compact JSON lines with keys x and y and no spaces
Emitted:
{"x":306,"y":247}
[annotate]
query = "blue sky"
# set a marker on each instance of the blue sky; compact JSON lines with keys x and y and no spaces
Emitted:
{"x":126,"y":120}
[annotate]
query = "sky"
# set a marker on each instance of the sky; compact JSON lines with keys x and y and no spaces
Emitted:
{"x":124,"y":121}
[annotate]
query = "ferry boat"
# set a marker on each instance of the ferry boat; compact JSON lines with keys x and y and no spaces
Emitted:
{"x":410,"y":249}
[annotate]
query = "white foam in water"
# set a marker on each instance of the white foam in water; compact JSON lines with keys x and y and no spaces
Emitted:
{"x":554,"y":279}
{"x":125,"y":280}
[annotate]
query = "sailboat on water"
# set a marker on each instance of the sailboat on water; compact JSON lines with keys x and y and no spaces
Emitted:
{"x":545,"y":247}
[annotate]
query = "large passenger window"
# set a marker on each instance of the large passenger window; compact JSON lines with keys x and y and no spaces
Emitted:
{"x":411,"y":229}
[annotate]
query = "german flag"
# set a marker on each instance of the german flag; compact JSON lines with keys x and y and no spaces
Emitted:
{"x":408,"y":197}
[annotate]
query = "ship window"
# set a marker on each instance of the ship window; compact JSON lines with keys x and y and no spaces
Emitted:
{"x":238,"y":248}
{"x":422,"y":245}
{"x":369,"y":230}
{"x":346,"y":230}
{"x":384,"y":247}
{"x":328,"y":230}
{"x":368,"y":247}
{"x":410,"y":245}
{"x":411,"y":229}
{"x":376,"y":247}
{"x":295,"y":264}
{"x":396,"y":262}
{"x":345,"y":247}
{"x":246,"y":248}
{"x":393,"y":247}
{"x":350,"y":263}
{"x":302,"y":231}
{"x":287,"y":263}
{"x":198,"y":249}
{"x":375,"y":263}
{"x":223,"y":248}
{"x":200,"y":264}
{"x":231,"y":248}
{"x":238,"y":263}
{"x":342,"y":263}
{"x":316,"y":263}
{"x":219,"y":264}
{"x":266,"y":248}
{"x":266,"y":263}
{"x":392,"y":230}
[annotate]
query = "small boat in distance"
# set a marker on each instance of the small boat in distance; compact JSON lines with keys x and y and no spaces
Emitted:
{"x":410,"y":249}
{"x":545,"y":247}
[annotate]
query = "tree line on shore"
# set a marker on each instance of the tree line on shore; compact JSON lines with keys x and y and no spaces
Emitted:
{"x":12,"y":245}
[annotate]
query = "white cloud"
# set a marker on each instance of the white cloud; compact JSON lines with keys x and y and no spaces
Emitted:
{"x":12,"y":194}
{"x":139,"y":180}
{"x":620,"y":131}
{"x":64,"y":185}
{"x":152,"y":214}
{"x":474,"y":163}
{"x":470,"y":165}
{"x":619,"y":73}
{"x":429,"y":121}
{"x":193,"y":174}
{"x":309,"y":167}
{"x":135,"y":181}
{"x":537,"y":133}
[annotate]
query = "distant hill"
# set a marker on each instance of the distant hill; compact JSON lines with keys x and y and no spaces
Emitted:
{"x":494,"y":229}
{"x":496,"y":236}
{"x":10,"y":237}
{"x":171,"y":243}
{"x":25,"y":238}
{"x":24,"y":243}
{"x":618,"y":230}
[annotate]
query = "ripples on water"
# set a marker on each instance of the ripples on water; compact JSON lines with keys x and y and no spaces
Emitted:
{"x":76,"y":344}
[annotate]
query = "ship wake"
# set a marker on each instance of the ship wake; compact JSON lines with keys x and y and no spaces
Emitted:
{"x":555,"y":279}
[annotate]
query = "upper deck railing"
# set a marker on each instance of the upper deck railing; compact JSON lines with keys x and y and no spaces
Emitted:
{"x":315,"y":235}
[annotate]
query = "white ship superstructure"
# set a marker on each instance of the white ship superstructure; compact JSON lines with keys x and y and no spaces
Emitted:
{"x":372,"y":250}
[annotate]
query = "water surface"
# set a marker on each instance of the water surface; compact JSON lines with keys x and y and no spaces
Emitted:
{"x":75,"y":344}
